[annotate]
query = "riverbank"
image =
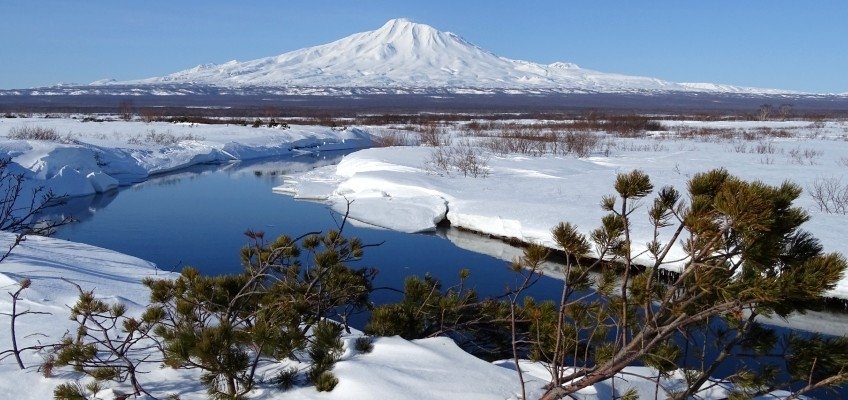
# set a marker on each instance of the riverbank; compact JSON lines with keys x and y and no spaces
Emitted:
{"x":77,"y":158}
{"x":521,"y":197}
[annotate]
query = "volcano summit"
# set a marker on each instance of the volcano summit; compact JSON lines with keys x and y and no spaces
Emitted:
{"x":411,"y":57}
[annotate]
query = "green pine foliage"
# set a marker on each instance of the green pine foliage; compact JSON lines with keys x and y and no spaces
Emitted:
{"x":278,"y":307}
{"x":364,"y":344}
{"x":326,"y":347}
{"x":818,"y":358}
{"x":77,"y":391}
{"x":70,"y":391}
{"x":745,"y":256}
{"x":325,"y":381}
{"x":428,"y":309}
{"x":97,"y":349}
{"x":286,"y":378}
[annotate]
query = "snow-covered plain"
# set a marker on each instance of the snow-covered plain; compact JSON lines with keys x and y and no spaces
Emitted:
{"x":524,"y":196}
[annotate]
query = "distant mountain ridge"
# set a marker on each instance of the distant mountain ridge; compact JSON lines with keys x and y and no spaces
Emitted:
{"x":404,"y":56}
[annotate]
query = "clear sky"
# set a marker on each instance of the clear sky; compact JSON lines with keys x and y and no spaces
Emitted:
{"x":797,"y":45}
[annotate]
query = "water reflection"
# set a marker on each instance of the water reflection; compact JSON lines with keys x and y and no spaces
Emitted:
{"x":826,"y":322}
{"x":268,"y":169}
{"x":81,"y":208}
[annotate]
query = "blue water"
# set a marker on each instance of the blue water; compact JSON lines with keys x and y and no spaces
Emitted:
{"x":197,"y":217}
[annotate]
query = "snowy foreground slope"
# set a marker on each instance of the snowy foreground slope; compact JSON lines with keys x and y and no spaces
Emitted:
{"x":399,"y":369}
{"x":407,"y":55}
{"x":395,"y":369}
{"x":523,"y":197}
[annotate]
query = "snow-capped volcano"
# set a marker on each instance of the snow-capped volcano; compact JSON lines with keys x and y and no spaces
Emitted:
{"x":405,"y":54}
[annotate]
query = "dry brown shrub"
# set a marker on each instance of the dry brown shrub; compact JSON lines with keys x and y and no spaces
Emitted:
{"x":34,"y":133}
{"x":392,"y":139}
{"x":463,"y":158}
{"x":830,"y":195}
{"x":432,"y":134}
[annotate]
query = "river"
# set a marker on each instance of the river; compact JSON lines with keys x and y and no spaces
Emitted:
{"x":197,"y":217}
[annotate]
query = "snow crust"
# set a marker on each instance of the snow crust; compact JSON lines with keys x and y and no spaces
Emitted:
{"x":409,"y":55}
{"x":94,"y":157}
{"x":524,"y":197}
{"x":54,"y":266}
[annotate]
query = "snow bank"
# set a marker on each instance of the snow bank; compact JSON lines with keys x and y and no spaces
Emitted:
{"x":94,"y":157}
{"x":396,"y":368}
{"x":524,"y":197}
{"x":54,"y":266}
{"x":421,"y":369}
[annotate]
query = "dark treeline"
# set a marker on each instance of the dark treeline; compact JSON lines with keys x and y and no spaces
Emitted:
{"x":412,"y":108}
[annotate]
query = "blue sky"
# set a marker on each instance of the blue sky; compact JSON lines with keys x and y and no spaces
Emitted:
{"x":794,"y":45}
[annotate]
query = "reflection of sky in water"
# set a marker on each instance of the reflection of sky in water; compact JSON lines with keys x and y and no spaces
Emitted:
{"x":198,"y":216}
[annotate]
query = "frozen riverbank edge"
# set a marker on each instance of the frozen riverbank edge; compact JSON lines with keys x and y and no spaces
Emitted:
{"x":522,"y":197}
{"x":93,"y":157}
